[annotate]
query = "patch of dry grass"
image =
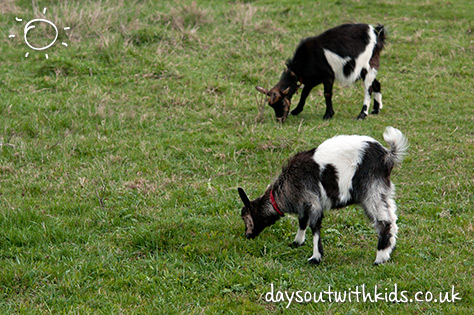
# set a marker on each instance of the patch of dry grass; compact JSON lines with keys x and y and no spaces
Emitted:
{"x":187,"y":16}
{"x":8,"y":6}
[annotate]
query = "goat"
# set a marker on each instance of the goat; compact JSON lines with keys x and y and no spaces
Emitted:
{"x":343,"y":170}
{"x":345,"y":53}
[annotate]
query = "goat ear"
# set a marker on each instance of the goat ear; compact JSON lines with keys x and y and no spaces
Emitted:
{"x":244,"y":197}
{"x":261,"y":90}
{"x":286,"y":91}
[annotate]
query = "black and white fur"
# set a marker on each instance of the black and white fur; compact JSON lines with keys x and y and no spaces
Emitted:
{"x":346,"y":53}
{"x":341,"y":171}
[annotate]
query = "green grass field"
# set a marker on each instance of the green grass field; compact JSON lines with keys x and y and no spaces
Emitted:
{"x":121,"y":154}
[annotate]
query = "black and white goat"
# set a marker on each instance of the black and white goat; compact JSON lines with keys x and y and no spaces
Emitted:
{"x":345,"y":53}
{"x":341,"y":171}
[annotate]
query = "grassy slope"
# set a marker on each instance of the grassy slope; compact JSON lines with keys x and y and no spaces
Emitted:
{"x":121,"y":155}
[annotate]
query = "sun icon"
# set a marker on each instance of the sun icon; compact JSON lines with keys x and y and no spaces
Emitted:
{"x":30,"y":25}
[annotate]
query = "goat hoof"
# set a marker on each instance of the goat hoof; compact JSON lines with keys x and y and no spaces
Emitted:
{"x":361,"y":116}
{"x":295,"y":111}
{"x":296,"y":244}
{"x":327,"y":116}
{"x":314,"y":261}
{"x":375,"y":112}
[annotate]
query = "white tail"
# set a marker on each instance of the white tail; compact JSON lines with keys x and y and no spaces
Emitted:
{"x":397,"y":142}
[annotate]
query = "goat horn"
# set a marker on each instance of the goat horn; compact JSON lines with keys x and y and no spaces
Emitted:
{"x":286,"y":91}
{"x":261,"y":90}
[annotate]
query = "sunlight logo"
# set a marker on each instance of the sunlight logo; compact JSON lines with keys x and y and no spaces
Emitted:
{"x":29,"y":26}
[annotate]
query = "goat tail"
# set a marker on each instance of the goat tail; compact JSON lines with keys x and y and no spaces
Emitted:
{"x":398,"y":144}
{"x":381,"y":34}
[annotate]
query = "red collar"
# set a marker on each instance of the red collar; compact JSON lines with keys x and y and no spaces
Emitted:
{"x":274,"y":204}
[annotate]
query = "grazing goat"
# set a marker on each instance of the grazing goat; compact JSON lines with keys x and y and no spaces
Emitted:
{"x":345,"y":53}
{"x":341,"y":171}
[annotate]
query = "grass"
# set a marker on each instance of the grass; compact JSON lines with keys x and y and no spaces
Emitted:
{"x":120,"y":156}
